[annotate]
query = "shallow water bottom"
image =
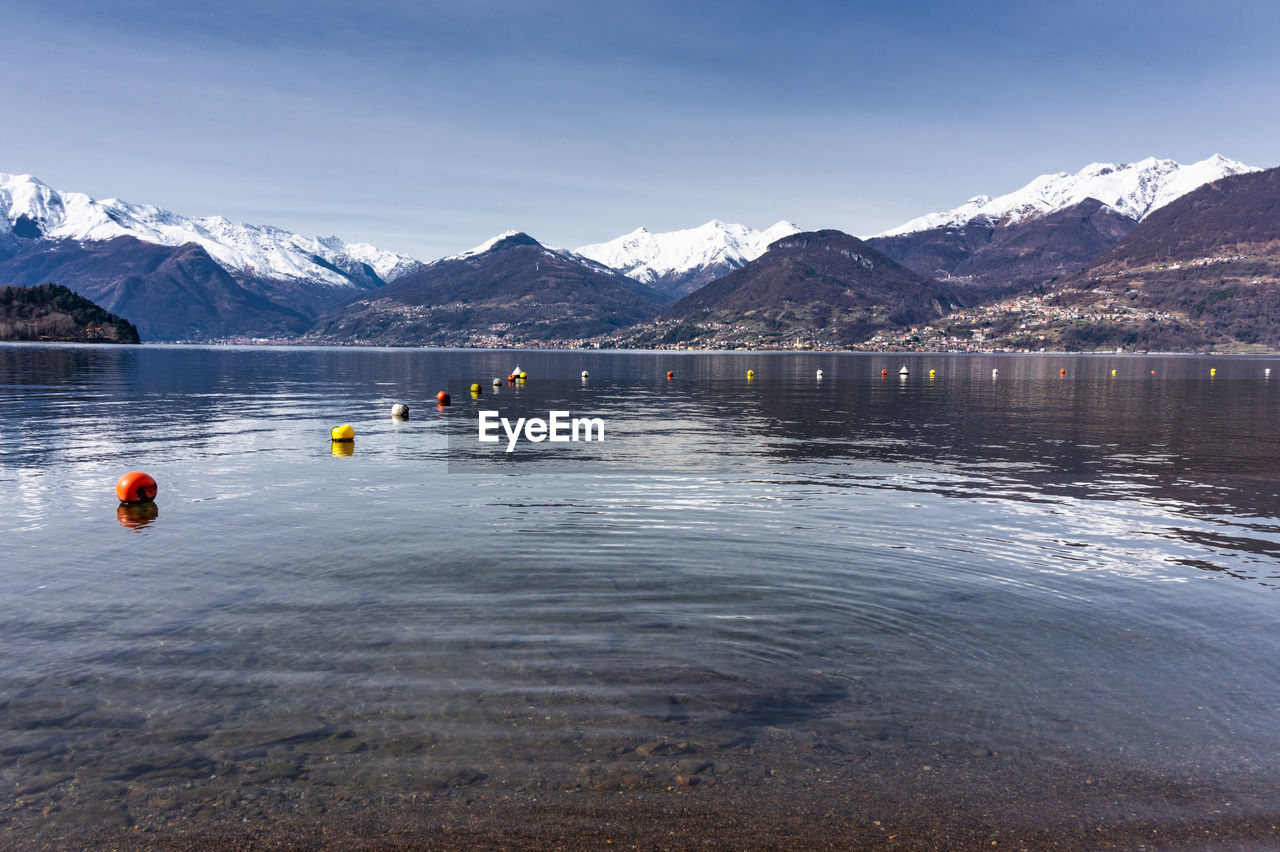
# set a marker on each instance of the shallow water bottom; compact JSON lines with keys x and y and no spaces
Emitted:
{"x":680,"y":795}
{"x":833,"y":782}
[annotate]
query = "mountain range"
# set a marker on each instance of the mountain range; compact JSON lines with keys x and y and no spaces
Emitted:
{"x":509,"y":291}
{"x":1051,"y":227}
{"x":1201,"y":272}
{"x":1209,"y":261}
{"x":817,"y":288}
{"x":31,"y":209}
{"x":177,"y":277}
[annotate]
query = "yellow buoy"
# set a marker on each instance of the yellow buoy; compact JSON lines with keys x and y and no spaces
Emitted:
{"x":343,"y":433}
{"x":932,"y":373}
{"x":751,"y":374}
{"x":475,"y":389}
{"x":1213,"y":371}
{"x":1113,"y":372}
{"x":523,"y":376}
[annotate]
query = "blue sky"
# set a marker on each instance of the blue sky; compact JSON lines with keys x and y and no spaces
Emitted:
{"x":428,"y":127}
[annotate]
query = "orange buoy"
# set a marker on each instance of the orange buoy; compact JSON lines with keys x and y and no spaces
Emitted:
{"x":442,"y":397}
{"x":671,"y":374}
{"x":136,"y":487}
{"x":884,"y":373}
{"x":1062,"y":372}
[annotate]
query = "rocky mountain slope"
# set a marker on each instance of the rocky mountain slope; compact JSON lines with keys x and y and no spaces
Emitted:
{"x":169,"y":292}
{"x":817,"y":288}
{"x":1202,"y":272}
{"x":1051,"y":227}
{"x":509,"y":291}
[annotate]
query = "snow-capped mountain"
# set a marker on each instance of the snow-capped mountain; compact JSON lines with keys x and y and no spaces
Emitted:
{"x":31,"y":209}
{"x":679,"y":262}
{"x":1130,"y":189}
{"x":508,"y":290}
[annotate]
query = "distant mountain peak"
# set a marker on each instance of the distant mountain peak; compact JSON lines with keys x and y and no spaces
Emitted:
{"x":514,"y":239}
{"x":1130,"y":189}
{"x":680,"y":261}
{"x":503,"y":241}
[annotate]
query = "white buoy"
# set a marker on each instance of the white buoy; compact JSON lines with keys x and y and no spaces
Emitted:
{"x":400,"y":411}
{"x":904,"y":371}
{"x":819,"y":374}
{"x":585,"y":375}
{"x":497,"y":383}
{"x":995,"y":371}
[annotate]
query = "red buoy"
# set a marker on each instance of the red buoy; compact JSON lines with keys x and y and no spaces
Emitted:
{"x":442,"y":398}
{"x":671,"y":374}
{"x":136,"y":487}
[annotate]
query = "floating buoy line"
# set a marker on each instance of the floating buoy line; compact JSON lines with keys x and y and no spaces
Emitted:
{"x":137,"y":490}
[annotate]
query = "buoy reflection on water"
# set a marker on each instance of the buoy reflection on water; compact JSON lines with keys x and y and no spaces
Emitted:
{"x":136,"y":516}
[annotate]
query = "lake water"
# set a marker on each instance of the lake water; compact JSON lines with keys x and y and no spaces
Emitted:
{"x":943,"y":609}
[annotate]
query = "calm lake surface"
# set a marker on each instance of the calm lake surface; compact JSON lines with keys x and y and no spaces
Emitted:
{"x":947,"y":609}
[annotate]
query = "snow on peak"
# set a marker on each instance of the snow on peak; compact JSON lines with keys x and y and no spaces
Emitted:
{"x":647,"y":256}
{"x":1131,"y":189}
{"x":488,"y":244}
{"x":260,"y":250}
